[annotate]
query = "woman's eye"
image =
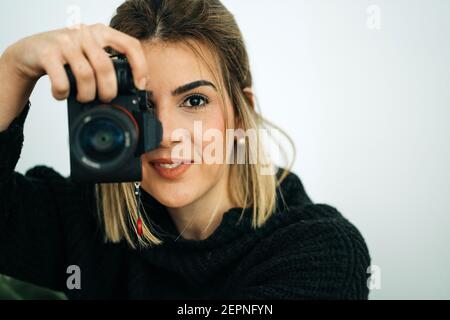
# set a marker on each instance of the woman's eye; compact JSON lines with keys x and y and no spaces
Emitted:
{"x":195,"y":102}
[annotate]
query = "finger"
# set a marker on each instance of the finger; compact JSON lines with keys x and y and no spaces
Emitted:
{"x":132,"y":48}
{"x":83,"y":72}
{"x":105,"y":74}
{"x":54,"y":67}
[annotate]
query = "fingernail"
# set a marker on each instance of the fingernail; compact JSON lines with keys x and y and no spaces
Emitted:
{"x":143,"y":83}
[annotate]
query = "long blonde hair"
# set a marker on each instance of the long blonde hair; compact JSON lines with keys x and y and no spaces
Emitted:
{"x":208,"y":22}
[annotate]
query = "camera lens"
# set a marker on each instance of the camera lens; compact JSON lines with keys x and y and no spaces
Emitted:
{"x":102,"y":140}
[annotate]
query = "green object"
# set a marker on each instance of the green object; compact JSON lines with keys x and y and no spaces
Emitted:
{"x":12,"y":289}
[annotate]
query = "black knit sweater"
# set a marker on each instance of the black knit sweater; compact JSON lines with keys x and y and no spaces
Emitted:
{"x":47,"y":223}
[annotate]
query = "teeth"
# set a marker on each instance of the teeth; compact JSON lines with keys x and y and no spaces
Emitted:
{"x":168,"y":166}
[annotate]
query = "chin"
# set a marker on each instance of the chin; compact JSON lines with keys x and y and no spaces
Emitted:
{"x":171,"y":200}
{"x":170,"y":194}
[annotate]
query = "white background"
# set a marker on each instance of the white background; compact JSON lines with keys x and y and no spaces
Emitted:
{"x":369,"y":110}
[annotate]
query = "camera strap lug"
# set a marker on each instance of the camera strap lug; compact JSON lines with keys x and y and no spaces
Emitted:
{"x":137,"y":193}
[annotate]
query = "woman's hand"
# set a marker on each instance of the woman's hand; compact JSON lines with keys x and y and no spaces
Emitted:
{"x":26,"y":61}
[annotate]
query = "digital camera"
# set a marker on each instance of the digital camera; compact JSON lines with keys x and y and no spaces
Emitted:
{"x":107,"y":139}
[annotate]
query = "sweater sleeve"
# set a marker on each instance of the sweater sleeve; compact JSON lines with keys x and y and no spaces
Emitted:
{"x":326,"y":259}
{"x":31,"y":243}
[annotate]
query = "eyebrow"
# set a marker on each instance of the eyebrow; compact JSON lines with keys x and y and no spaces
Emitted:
{"x":188,"y":87}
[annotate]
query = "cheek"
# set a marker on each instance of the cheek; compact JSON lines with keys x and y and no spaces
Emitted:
{"x":213,"y":140}
{"x":212,"y":164}
{"x":213,"y":135}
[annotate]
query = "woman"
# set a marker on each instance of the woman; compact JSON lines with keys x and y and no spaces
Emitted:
{"x":207,"y":230}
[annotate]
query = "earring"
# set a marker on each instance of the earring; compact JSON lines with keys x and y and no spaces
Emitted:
{"x":137,"y":193}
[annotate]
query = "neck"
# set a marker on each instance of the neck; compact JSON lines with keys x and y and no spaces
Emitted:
{"x":198,"y":220}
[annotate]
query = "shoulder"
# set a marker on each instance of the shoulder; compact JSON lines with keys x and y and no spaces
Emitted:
{"x":322,"y":221}
{"x":312,"y":251}
{"x":47,"y":174}
{"x":64,"y":190}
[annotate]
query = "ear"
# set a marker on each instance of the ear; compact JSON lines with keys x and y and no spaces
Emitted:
{"x":250,"y":96}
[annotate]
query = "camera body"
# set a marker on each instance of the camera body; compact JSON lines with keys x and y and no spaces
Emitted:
{"x":107,"y":139}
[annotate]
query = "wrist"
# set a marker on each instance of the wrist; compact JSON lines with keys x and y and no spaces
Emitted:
{"x":15,"y":89}
{"x":9,"y":67}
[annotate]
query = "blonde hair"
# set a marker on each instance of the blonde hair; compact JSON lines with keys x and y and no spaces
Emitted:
{"x":208,"y":22}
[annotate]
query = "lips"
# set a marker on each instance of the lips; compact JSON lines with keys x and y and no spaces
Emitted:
{"x":171,"y":161}
{"x":171,"y":168}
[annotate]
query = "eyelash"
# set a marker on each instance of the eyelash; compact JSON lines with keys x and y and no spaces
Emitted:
{"x":195,"y":95}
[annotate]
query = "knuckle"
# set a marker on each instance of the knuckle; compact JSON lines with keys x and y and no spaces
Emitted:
{"x":65,"y":39}
{"x":45,"y":53}
{"x":98,"y":57}
{"x":61,"y":87}
{"x":103,"y":67}
{"x":98,"y":27}
{"x":60,"y":91}
{"x":98,"y":31}
{"x":83,"y":31}
{"x":85,"y":73}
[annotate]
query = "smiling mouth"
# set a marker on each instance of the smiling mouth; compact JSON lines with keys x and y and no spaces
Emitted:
{"x":170,"y":168}
{"x":170,"y":162}
{"x":168,"y":165}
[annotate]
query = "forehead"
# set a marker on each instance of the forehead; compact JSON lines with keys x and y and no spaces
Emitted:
{"x":179,"y":62}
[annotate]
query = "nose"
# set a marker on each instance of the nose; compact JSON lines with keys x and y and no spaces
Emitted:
{"x":169,"y":124}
